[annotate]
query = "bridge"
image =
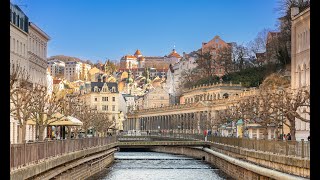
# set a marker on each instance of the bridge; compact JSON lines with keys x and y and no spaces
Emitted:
{"x":239,"y":158}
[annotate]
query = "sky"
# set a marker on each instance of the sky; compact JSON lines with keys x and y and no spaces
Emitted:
{"x":109,"y":29}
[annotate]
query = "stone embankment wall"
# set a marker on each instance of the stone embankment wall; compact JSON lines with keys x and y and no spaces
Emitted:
{"x":88,"y":169}
{"x":288,"y":164}
{"x":234,"y":167}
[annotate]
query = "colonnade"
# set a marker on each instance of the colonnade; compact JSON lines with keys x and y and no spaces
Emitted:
{"x":189,"y":122}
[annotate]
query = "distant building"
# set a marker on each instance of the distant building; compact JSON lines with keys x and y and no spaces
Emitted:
{"x":132,"y":61}
{"x":300,"y":62}
{"x":56,"y":68}
{"x":157,"y":97}
{"x":85,"y":72}
{"x":57,"y":85}
{"x":104,"y":97}
{"x":174,"y":78}
{"x":271,"y":47}
{"x":213,"y":46}
{"x":73,"y":70}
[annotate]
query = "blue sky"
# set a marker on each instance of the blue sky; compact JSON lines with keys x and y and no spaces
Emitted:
{"x":101,"y":29}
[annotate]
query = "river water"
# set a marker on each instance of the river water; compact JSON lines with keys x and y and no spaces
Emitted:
{"x":158,"y":166}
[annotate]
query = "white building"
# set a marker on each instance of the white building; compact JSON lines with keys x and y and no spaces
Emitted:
{"x":73,"y":70}
{"x":56,"y":68}
{"x":37,"y":54}
{"x":174,"y":76}
{"x":28,"y":48}
{"x":300,"y":62}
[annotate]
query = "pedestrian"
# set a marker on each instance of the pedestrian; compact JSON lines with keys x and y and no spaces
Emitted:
{"x":308,"y":138}
{"x":284,"y":137}
{"x":288,"y":136}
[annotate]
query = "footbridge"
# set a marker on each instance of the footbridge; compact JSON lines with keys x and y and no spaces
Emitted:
{"x":82,"y":158}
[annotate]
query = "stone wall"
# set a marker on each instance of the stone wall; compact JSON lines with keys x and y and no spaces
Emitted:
{"x":229,"y":167}
{"x":291,"y":165}
{"x":88,"y":169}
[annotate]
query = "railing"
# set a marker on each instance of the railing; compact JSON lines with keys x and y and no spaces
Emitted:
{"x":287,"y":148}
{"x":27,"y":153}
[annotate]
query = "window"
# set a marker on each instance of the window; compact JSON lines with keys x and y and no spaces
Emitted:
{"x":113,"y":117}
{"x":95,"y":99}
{"x":104,"y":107}
{"x":14,"y":18}
{"x":95,"y":107}
{"x":104,"y":98}
{"x":113,"y":99}
{"x":113,"y":108}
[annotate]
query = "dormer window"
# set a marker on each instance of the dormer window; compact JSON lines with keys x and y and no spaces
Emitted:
{"x":95,"y":89}
{"x":113,"y":89}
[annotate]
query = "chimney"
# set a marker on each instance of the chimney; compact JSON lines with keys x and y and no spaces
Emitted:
{"x":294,"y":11}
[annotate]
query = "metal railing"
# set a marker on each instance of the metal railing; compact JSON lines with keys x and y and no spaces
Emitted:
{"x":287,"y":148}
{"x":27,"y":153}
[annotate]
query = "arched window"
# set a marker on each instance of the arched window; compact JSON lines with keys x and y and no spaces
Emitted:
{"x":226,"y":95}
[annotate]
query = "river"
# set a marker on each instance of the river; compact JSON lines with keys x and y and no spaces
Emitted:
{"x":158,"y":166}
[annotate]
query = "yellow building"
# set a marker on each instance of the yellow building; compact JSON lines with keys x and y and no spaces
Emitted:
{"x":104,"y":97}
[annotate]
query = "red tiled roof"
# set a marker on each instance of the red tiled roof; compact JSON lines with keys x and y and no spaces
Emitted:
{"x":137,"y":52}
{"x":56,"y":81}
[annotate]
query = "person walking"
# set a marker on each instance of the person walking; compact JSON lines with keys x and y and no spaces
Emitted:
{"x":289,"y":137}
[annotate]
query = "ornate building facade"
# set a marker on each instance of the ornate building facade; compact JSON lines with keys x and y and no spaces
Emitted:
{"x":37,"y":54}
{"x":300,"y":62}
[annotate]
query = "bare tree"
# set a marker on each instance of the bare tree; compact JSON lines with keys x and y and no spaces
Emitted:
{"x":20,"y":97}
{"x":224,"y":57}
{"x":87,"y":115}
{"x":240,"y":53}
{"x":189,"y":76}
{"x":258,"y":45}
{"x":102,"y":123}
{"x":44,"y":109}
{"x":295,"y":105}
{"x":208,"y":63}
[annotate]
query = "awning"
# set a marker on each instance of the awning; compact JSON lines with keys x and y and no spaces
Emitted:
{"x":62,"y":121}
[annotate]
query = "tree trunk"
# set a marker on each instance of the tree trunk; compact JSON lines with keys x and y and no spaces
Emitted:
{"x":292,"y":127}
{"x":22,"y":129}
{"x":42,"y":136}
{"x":265,"y":134}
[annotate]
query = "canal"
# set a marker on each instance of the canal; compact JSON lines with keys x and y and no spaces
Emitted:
{"x":159,"y":166}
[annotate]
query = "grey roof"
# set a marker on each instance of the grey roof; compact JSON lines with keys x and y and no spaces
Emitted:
{"x":100,"y":85}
